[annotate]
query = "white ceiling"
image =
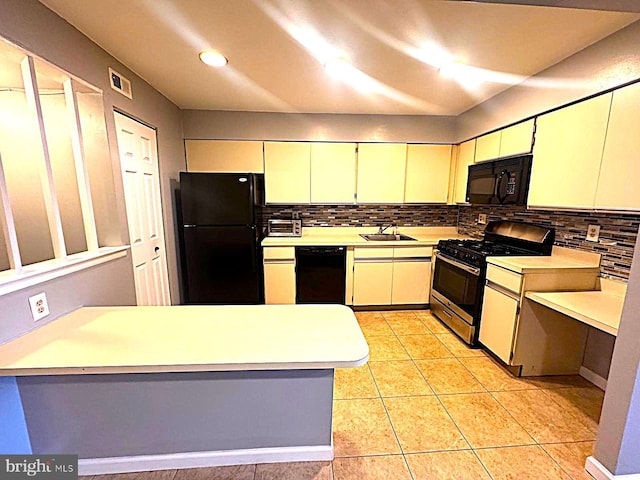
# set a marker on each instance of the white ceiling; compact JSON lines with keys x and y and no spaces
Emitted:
{"x":275,"y":49}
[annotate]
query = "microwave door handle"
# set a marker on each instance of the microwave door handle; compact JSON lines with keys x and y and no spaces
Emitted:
{"x":500,"y":197}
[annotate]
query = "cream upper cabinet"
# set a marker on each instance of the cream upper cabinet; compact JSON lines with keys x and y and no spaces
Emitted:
{"x":618,"y":183}
{"x":224,"y":156}
{"x":567,"y":154}
{"x":381,"y":172}
{"x":428,"y":171}
{"x":287,"y":172}
{"x":488,"y":146}
{"x":517,"y":139}
{"x":466,"y":154}
{"x":333,"y":172}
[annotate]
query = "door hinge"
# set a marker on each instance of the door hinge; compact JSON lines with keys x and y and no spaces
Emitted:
{"x":510,"y":357}
{"x":518,"y":310}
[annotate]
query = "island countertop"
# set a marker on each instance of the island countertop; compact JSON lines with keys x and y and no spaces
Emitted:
{"x":97,"y":340}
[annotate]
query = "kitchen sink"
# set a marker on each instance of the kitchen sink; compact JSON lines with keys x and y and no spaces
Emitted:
{"x":389,"y":237}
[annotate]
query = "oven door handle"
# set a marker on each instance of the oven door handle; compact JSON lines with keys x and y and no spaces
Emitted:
{"x":472,"y":270}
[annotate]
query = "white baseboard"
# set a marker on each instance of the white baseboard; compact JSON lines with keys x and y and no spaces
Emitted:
{"x":593,"y":377}
{"x":143,"y":463}
{"x":600,"y":472}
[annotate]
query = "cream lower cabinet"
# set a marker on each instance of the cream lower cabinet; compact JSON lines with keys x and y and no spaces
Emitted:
{"x":279,"y":275}
{"x":372,"y":275}
{"x":500,"y":310}
{"x":411,"y":275}
{"x":527,"y":336}
{"x":391,"y":275}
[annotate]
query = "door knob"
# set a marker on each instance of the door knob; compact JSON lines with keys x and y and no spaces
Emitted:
{"x":157,"y":249}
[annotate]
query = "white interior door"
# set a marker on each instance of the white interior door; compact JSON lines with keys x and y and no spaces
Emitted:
{"x":139,"y":165}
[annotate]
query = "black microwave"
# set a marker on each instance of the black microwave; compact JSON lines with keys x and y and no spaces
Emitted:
{"x":504,"y":181}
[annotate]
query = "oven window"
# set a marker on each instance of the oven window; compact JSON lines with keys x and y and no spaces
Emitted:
{"x":459,"y":286}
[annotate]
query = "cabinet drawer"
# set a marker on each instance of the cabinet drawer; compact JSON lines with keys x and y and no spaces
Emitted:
{"x":373,"y":252}
{"x":414,"y":252}
{"x":505,"y":278}
{"x":279,"y":253}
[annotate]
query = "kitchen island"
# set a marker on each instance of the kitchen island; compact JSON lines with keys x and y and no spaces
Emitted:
{"x":146,"y":388}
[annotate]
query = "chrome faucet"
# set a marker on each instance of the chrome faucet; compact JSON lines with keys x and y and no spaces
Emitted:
{"x":382,"y":228}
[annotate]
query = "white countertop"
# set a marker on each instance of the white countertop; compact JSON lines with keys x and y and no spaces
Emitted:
{"x":561,"y":258}
{"x":600,"y":309}
{"x":350,"y":236}
{"x":189,"y":338}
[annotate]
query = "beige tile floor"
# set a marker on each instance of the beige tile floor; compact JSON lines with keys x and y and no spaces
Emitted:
{"x":426,"y":407}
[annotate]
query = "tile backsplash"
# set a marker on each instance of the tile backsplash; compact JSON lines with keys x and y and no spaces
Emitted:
{"x":618,"y":232}
{"x":365,"y":215}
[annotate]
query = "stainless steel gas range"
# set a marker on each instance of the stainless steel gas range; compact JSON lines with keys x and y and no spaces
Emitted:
{"x":460,"y":268}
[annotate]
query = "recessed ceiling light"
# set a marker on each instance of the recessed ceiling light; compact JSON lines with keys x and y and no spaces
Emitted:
{"x":338,"y":67}
{"x":213,"y":58}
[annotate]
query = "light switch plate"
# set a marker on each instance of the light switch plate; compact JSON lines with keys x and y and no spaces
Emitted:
{"x":482,"y":218}
{"x":593,"y":233}
{"x":39,"y":306}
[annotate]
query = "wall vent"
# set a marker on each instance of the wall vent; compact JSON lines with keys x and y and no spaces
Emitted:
{"x":120,"y":83}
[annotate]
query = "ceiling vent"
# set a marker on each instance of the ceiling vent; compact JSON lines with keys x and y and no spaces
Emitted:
{"x":119,"y":83}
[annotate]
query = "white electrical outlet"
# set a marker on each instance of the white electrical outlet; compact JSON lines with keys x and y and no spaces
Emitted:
{"x":39,"y":306}
{"x":482,"y":218}
{"x":593,"y":233}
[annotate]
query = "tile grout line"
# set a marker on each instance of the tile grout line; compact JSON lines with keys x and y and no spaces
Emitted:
{"x":492,"y":393}
{"x":440,"y":401}
{"x":404,"y":458}
{"x":449,"y":415}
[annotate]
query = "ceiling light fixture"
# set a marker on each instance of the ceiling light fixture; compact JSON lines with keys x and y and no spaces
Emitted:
{"x":338,"y":67}
{"x":213,"y":58}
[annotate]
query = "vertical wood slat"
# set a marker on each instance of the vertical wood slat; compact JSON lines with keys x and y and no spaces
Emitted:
{"x":8,"y":225}
{"x":82,"y":173}
{"x":48,"y":185}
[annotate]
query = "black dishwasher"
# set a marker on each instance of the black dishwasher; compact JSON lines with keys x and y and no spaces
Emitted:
{"x":320,"y":274}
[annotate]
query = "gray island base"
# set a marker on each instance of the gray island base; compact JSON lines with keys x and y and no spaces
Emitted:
{"x":150,"y":388}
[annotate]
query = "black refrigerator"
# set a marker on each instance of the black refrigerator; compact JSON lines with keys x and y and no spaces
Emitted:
{"x":222,"y":260}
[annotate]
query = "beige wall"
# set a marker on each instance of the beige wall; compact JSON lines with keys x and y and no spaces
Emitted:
{"x":31,"y":25}
{"x":222,"y":125}
{"x":603,"y":65}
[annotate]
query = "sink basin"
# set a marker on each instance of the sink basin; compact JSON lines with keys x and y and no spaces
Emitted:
{"x":389,"y":237}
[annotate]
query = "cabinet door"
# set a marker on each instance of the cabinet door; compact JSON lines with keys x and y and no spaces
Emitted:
{"x":381,"y":172}
{"x":411,"y":281}
{"x":372,"y":283}
{"x":488,"y":146}
{"x":287,"y":172}
{"x":620,"y":169}
{"x":466,"y":153}
{"x":223,"y":156}
{"x":280,"y":283}
{"x":567,"y":155}
{"x":428,"y":170}
{"x":333,"y":172}
{"x":498,"y":323}
{"x":517,"y":139}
